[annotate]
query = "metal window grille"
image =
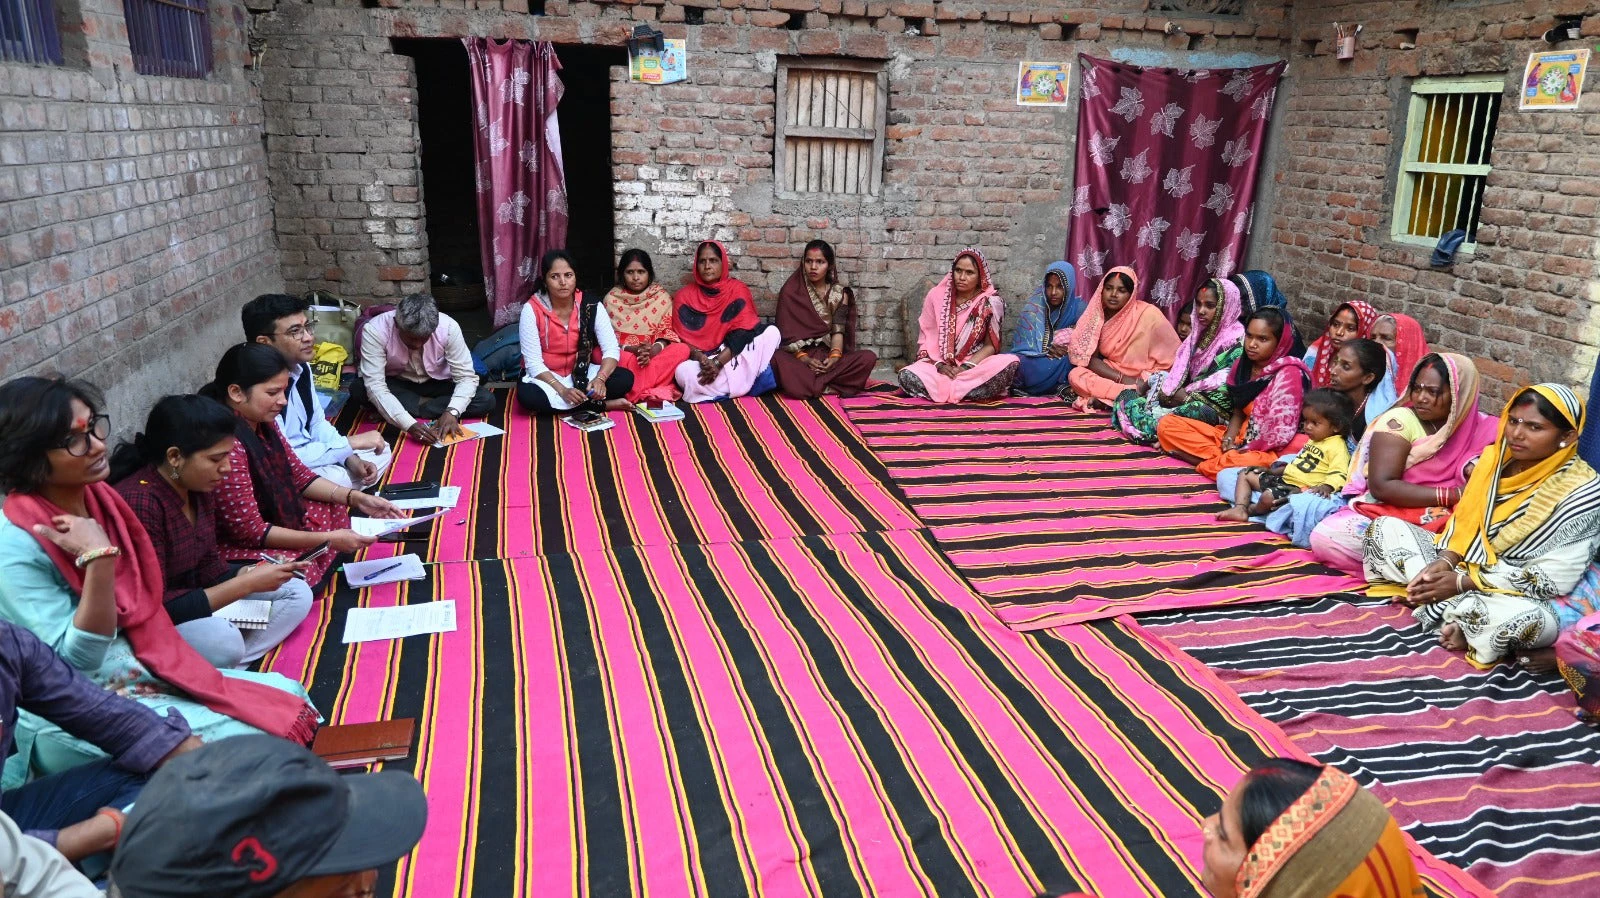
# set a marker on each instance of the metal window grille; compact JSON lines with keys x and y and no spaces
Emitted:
{"x":169,"y":37}
{"x":1449,"y":137}
{"x":28,"y":31}
{"x":830,"y":126}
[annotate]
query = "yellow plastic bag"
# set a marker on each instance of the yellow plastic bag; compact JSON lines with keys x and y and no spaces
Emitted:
{"x":327,"y":366}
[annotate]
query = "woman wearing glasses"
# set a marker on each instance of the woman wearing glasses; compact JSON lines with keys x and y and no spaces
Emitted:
{"x":78,"y":570}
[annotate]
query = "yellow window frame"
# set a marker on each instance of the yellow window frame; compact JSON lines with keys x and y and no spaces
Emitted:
{"x":1431,"y":158}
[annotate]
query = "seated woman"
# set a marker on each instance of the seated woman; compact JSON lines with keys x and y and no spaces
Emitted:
{"x":1357,"y":368}
{"x":1521,"y":536}
{"x":77,"y":569}
{"x":817,"y":320}
{"x":1259,"y":290}
{"x":641,"y":315}
{"x":1350,"y":321}
{"x":1264,"y":391}
{"x":268,"y":499}
{"x":166,"y":476}
{"x":1197,"y":385}
{"x":1119,"y":342}
{"x":958,"y":338}
{"x":730,"y":351}
{"x":1289,"y":828}
{"x":561,"y":333}
{"x":1040,"y":340}
{"x":1402,"y":336}
{"x":1413,"y":460}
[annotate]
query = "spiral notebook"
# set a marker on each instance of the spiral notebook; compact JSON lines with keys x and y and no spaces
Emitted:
{"x":246,"y":614}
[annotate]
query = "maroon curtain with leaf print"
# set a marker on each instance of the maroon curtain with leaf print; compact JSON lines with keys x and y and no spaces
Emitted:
{"x":1166,"y":173}
{"x":522,"y":190}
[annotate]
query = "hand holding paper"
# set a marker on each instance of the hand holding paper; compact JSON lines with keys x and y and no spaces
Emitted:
{"x":380,"y":527}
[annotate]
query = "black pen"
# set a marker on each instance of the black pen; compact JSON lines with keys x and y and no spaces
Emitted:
{"x":380,"y":572}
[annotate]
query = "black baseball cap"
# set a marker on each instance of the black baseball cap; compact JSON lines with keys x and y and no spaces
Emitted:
{"x":251,"y":815}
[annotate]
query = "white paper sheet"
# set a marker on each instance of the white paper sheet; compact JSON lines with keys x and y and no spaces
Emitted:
{"x":475,"y":431}
{"x":384,"y":570}
{"x":447,"y":498}
{"x":369,"y":624}
{"x":382,"y":526}
{"x":247,"y":614}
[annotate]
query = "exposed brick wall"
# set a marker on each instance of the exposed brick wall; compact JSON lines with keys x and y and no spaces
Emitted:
{"x":963,"y":163}
{"x":1526,"y":304}
{"x":134,"y":217}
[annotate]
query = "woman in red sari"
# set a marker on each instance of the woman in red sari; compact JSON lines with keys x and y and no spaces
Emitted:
{"x":1350,"y":321}
{"x":817,"y":318}
{"x":641,"y":315}
{"x":958,"y":345}
{"x":730,"y":351}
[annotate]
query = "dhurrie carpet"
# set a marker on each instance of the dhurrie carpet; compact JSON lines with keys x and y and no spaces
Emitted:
{"x":1489,"y":770}
{"x":831,"y":713}
{"x":1054,"y":519}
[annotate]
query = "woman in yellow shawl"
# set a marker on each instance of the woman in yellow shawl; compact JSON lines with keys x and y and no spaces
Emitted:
{"x":1521,"y":537}
{"x":1295,"y":830}
{"x":1118,"y":342}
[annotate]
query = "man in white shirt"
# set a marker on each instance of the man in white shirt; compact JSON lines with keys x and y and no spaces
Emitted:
{"x":31,"y":868}
{"x":415,"y":364}
{"x":279,"y":320}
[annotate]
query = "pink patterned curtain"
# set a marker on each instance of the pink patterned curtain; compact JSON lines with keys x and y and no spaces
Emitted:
{"x":1166,"y":173}
{"x":522,"y":191}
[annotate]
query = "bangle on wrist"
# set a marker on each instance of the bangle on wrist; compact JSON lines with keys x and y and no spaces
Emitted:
{"x":117,"y":819}
{"x":93,"y":555}
{"x":835,"y":353}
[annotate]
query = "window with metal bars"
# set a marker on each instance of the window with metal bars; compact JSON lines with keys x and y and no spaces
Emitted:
{"x":1449,"y":138}
{"x":28,"y":31}
{"x":169,"y":37}
{"x":831,"y":115}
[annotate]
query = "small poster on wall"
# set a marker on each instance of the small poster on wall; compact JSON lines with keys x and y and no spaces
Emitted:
{"x":668,"y":65}
{"x":1553,"y":80}
{"x":1043,"y":83}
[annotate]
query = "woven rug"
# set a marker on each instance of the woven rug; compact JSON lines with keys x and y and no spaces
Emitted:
{"x":1487,"y":769}
{"x":1055,"y":520}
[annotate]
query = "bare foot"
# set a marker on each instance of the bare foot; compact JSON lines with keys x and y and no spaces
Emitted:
{"x":1539,"y":661}
{"x":1451,"y":637}
{"x":1235,"y":514}
{"x":618,"y":405}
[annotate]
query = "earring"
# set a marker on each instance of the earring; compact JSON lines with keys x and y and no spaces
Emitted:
{"x":175,"y":472}
{"x":1563,"y":444}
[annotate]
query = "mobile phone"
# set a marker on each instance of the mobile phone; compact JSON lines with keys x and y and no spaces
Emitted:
{"x":312,"y":554}
{"x":418,"y":489}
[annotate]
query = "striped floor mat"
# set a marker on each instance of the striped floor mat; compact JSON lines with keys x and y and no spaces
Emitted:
{"x":1055,"y":520}
{"x":828,"y":715}
{"x":764,"y":468}
{"x":1486,"y":769}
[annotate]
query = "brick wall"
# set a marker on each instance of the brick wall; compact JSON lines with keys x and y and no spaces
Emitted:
{"x":963,"y":163}
{"x":134,"y":218}
{"x":1526,"y":304}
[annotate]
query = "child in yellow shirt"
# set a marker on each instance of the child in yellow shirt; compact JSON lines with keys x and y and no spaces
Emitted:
{"x":1322,"y":466}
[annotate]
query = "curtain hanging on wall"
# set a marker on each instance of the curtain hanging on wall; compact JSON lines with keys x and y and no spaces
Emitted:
{"x":522,"y":190}
{"x":1166,"y":172}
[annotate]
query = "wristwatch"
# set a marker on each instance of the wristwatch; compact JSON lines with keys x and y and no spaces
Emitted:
{"x":452,"y":412}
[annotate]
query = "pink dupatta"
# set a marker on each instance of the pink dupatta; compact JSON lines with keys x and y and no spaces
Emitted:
{"x":1200,"y":350}
{"x":948,"y":336}
{"x":1438,"y":460}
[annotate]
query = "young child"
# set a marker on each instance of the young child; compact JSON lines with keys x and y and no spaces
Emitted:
{"x":1322,"y":466}
{"x":1184,"y":324}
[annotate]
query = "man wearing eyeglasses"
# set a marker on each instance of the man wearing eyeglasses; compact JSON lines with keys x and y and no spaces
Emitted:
{"x":279,"y":320}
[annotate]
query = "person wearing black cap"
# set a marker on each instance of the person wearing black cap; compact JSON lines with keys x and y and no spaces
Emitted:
{"x":261,"y":817}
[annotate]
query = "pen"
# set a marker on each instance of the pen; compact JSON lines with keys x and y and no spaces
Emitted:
{"x":380,"y":572}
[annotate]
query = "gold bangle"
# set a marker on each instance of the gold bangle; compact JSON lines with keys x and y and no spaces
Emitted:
{"x":93,"y":555}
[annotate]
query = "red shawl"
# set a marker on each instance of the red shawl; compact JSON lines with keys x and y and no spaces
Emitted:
{"x":143,"y":618}
{"x":798,"y":318}
{"x":1410,"y":345}
{"x":704,"y":312}
{"x":1366,"y":317}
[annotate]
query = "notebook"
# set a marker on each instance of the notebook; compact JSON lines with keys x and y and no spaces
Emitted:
{"x":359,"y":744}
{"x":246,"y":614}
{"x":589,"y":422}
{"x":667,"y":412}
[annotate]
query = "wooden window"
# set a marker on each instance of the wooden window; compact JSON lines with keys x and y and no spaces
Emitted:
{"x":1449,"y":138}
{"x":169,"y":37}
{"x":830,"y":127}
{"x":28,"y":31}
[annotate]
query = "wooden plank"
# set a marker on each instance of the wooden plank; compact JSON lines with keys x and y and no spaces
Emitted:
{"x":831,"y":133}
{"x":783,"y":157}
{"x":880,"y":104}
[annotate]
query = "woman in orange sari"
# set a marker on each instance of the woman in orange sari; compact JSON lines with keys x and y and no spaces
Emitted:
{"x":1289,"y":828}
{"x":1119,"y":341}
{"x":641,"y":314}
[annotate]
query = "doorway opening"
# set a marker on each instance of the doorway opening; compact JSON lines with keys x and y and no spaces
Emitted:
{"x":584,"y":115}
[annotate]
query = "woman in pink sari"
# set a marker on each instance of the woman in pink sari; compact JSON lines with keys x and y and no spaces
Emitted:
{"x":1412,"y":462}
{"x":958,"y":345}
{"x":1119,"y":341}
